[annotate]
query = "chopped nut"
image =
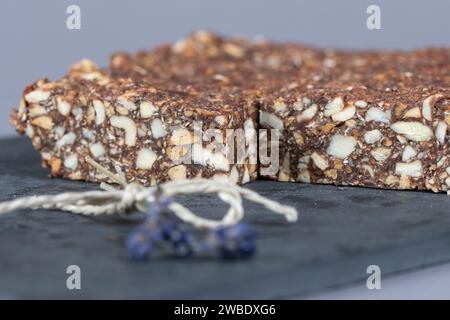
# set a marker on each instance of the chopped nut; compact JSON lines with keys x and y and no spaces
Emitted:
{"x":37,"y":96}
{"x":378,"y":115}
{"x":97,"y":150}
{"x":414,"y":131}
{"x":122,"y":110}
{"x":147,"y":109}
{"x":408,"y":153}
{"x":336,"y":105}
{"x":125,"y":102}
{"x":345,"y":114}
{"x":380,"y":154}
{"x":410,"y":169}
{"x":401,"y":139}
{"x":428,"y":104}
{"x":67,"y":139}
{"x":319,"y":161}
{"x":341,"y":146}
{"x":71,"y":161}
{"x":181,"y":136}
{"x":441,"y":132}
{"x":63,"y":106}
{"x":372,"y":136}
{"x":177,"y":173}
{"x":270,"y":120}
{"x":128,"y":125}
{"x":44,"y":122}
{"x":157,"y":128}
{"x":99,"y":112}
{"x":413,"y":113}
{"x":36,"y":111}
{"x":145,"y":158}
{"x":360,"y":104}
{"x":308,"y":114}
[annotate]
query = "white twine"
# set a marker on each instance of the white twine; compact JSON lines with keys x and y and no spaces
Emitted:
{"x":135,"y":196}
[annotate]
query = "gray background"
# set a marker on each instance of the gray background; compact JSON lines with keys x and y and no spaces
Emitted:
{"x":36,"y":43}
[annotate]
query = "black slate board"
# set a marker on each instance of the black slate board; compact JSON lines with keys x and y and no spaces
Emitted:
{"x":340,"y":232}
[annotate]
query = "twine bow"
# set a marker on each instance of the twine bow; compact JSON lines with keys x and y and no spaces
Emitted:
{"x":136,"y":196}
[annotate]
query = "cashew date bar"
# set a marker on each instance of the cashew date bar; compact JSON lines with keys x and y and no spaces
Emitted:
{"x":146,"y":132}
{"x":357,"y":118}
{"x":366,"y":118}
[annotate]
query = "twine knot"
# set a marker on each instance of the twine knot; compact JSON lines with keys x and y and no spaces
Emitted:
{"x":136,"y":196}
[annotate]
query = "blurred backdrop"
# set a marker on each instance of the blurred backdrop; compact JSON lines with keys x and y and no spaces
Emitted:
{"x":35,"y":41}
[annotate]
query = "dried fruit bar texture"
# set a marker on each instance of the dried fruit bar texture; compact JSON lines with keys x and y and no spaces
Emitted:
{"x":363,"y":118}
{"x":381,"y":123}
{"x":364,"y":137}
{"x":146,"y":131}
{"x":366,"y":118}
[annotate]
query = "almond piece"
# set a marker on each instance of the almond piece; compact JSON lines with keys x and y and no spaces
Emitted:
{"x":270,"y":120}
{"x":410,"y":169}
{"x":99,"y":112}
{"x":128,"y":125}
{"x":319,"y":161}
{"x":63,"y":106}
{"x":345,"y":114}
{"x":372,"y":136}
{"x":67,"y":139}
{"x":341,"y":146}
{"x":380,"y":154}
{"x":145,"y":159}
{"x":97,"y":150}
{"x":428,"y":104}
{"x":336,"y":105}
{"x":71,"y":161}
{"x":413,"y":113}
{"x":157,"y":128}
{"x":308,"y":114}
{"x":408,"y":153}
{"x":37,"y":96}
{"x":414,"y":131}
{"x":126,"y":103}
{"x":377,"y":115}
{"x":147,"y":109}
{"x":360,"y":104}
{"x":44,"y":122}
{"x":441,"y":132}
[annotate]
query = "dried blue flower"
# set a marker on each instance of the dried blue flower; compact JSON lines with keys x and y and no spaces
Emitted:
{"x":139,"y":243}
{"x":177,"y":233}
{"x":233,"y":242}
